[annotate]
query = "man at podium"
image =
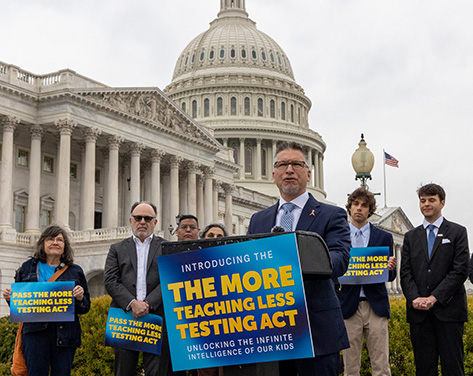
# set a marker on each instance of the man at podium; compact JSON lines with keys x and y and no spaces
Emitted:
{"x":299,"y":210}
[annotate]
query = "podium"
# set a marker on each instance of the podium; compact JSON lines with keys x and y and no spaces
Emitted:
{"x":315,"y":263}
{"x":313,"y":252}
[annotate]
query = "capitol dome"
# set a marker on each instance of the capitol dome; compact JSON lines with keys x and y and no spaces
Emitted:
{"x":233,"y":41}
{"x":239,"y":83}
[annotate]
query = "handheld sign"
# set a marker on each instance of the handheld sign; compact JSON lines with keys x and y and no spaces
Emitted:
{"x":367,"y":265}
{"x":142,"y":334}
{"x":235,"y":304}
{"x":42,"y":301}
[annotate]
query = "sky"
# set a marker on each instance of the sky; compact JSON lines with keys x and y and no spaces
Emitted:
{"x":400,"y":72}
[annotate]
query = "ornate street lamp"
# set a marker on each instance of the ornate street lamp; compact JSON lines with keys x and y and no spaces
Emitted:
{"x":363,"y":162}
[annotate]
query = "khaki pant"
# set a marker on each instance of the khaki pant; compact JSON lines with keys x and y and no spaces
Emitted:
{"x":375,"y":329}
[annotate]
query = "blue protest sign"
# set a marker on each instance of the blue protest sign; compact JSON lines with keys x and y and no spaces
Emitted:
{"x":234,"y":304}
{"x":367,"y":265}
{"x":42,"y":301}
{"x":141,"y":334}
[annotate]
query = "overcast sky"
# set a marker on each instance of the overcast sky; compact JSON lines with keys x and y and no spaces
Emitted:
{"x":399,"y":71}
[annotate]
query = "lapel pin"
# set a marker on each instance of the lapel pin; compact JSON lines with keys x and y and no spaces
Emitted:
{"x":312,"y":212}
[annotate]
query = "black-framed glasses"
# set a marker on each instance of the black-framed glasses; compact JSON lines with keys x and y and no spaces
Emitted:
{"x":296,"y":165}
{"x":191,"y":227}
{"x":139,"y":218}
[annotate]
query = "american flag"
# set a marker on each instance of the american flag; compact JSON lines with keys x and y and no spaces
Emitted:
{"x":390,"y":160}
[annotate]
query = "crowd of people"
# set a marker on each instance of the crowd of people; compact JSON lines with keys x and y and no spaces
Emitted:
{"x":434,"y":266}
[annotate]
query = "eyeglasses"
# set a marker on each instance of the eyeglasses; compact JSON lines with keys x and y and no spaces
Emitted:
{"x":296,"y":165}
{"x":191,"y":227}
{"x":53,"y":239}
{"x":139,"y":218}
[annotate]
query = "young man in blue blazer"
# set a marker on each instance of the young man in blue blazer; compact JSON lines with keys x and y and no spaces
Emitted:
{"x":366,"y":307}
{"x":291,"y":174}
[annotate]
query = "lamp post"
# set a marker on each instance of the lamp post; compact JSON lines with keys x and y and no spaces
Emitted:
{"x":362,"y":161}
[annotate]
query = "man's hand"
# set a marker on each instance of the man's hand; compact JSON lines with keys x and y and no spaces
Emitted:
{"x":392,"y":262}
{"x":139,"y":308}
{"x":424,"y":304}
{"x":7,"y":294}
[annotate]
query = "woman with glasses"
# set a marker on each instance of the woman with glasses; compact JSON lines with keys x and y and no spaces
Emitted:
{"x":50,"y":346}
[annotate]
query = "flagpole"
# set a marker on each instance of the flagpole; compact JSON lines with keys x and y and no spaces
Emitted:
{"x":384,"y":175}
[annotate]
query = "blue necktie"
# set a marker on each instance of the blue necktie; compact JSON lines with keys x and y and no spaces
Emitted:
{"x":358,"y":239}
{"x":287,"y":217}
{"x":430,"y":239}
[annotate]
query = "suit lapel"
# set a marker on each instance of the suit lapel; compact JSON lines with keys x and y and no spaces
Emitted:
{"x":269,"y":218}
{"x":309,"y":212}
{"x":373,"y":236}
{"x":422,"y":237}
{"x":132,"y":252}
{"x":153,"y":253}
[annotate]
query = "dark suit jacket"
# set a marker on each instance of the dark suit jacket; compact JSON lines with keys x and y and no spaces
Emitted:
{"x":376,"y":293}
{"x":442,"y":276}
{"x":330,"y":222}
{"x":120,"y":275}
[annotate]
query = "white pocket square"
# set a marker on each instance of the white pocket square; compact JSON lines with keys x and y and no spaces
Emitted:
{"x":446,"y":241}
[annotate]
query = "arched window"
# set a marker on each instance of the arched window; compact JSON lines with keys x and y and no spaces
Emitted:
{"x":248,"y":160}
{"x":206,"y":107}
{"x":232,"y":53}
{"x":243,"y":53}
{"x":263,"y":162}
{"x":263,"y":55}
{"x":260,"y":107}
{"x":272,"y":57}
{"x":202,"y":55}
{"x":194,"y":108}
{"x":212,"y":54}
{"x":233,"y":106}
{"x":219,"y":106}
{"x":247,"y":106}
{"x":183,"y":106}
{"x":283,"y":110}
{"x":222,"y":53}
{"x":272,"y":109}
{"x":298,"y":115}
{"x":292,"y":113}
{"x":253,"y":54}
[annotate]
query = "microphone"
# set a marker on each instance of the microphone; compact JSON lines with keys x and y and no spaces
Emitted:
{"x":278,"y":229}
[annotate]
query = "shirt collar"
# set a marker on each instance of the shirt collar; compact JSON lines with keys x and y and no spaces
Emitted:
{"x":363,"y":230}
{"x":299,"y":201}
{"x":437,"y":223}
{"x":147,"y":240}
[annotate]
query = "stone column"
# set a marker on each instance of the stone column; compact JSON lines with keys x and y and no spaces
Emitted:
{"x":105,"y":179}
{"x":241,"y":225}
{"x":156,"y":157}
{"x":192,"y":168}
{"x":241,"y":161}
{"x":65,"y":126}
{"x":183,"y":209}
{"x":175,"y":161}
{"x":273,"y":151}
{"x":111,"y":195}
{"x":200,"y":198}
{"x":34,"y":206}
{"x":310,"y":162}
{"x":165,"y":201}
{"x":6,"y":172}
{"x":216,"y":187}
{"x":321,"y":170}
{"x":258,"y":159}
{"x":316,"y":169}
{"x":208,"y":197}
{"x":229,"y":207}
{"x":147,"y":180}
{"x":135,"y":174}
{"x":88,"y":200}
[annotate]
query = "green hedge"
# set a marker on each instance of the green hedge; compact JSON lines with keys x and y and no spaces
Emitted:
{"x":93,"y":358}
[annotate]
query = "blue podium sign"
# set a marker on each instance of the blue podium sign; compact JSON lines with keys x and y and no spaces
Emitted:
{"x":142,"y":334}
{"x":367,"y":265}
{"x":42,"y":301}
{"x":234,"y":304}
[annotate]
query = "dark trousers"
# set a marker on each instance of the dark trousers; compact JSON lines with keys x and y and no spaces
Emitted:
{"x":324,"y":365}
{"x":432,"y":339}
{"x":126,"y":362}
{"x":42,"y":355}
